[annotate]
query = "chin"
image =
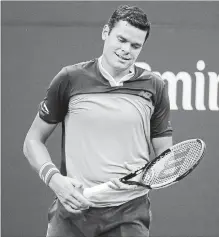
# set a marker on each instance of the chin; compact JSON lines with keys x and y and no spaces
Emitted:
{"x":122,"y":66}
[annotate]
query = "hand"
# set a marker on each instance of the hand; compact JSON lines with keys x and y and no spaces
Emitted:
{"x":116,"y":184}
{"x":69,"y":192}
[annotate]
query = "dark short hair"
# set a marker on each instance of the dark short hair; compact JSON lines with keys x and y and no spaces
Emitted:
{"x":134,"y":15}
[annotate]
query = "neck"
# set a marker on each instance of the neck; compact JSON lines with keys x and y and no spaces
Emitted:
{"x":117,"y":74}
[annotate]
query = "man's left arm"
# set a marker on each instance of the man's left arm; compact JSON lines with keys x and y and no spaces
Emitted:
{"x":161,"y":129}
{"x":160,"y":144}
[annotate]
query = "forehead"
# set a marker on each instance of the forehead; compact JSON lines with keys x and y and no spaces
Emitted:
{"x":129,"y":32}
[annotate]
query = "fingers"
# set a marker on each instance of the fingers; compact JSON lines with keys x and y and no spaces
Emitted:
{"x":69,"y":192}
{"x":75,"y":183}
{"x":79,"y":196}
{"x":71,"y":208}
{"x":118,"y":185}
{"x":73,"y":205}
{"x":131,"y":168}
{"x":74,"y":200}
{"x":76,"y":208}
{"x":76,"y":203}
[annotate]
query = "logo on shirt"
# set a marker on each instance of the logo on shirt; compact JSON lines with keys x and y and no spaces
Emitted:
{"x":44,"y":108}
{"x":146,"y":95}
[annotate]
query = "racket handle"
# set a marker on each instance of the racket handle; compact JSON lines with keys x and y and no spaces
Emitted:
{"x":101,"y":188}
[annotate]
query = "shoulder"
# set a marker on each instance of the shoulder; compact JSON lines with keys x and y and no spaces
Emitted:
{"x":76,"y":69}
{"x":69,"y":74}
{"x":150,"y":78}
{"x":152,"y":83}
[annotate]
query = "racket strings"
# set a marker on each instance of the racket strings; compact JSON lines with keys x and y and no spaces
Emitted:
{"x":182,"y":157}
{"x":192,"y":157}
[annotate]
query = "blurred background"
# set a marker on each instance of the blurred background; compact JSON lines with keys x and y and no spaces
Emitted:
{"x":39,"y":38}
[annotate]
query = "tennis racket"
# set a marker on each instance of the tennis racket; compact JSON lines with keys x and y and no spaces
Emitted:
{"x":168,"y":168}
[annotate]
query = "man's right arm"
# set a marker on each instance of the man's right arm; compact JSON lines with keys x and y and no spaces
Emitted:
{"x":35,"y":150}
{"x":34,"y":145}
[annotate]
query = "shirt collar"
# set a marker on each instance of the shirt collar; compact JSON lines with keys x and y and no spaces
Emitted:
{"x":111,"y":80}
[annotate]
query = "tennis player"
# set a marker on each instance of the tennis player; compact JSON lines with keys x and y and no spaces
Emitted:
{"x":112,"y":114}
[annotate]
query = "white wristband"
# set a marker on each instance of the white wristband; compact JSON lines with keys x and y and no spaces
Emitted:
{"x":47,"y":171}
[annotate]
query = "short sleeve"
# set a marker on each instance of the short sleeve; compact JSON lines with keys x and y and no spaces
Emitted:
{"x":160,"y":120}
{"x":54,"y":107}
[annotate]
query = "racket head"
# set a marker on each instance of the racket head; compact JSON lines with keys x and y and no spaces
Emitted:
{"x":173,"y":164}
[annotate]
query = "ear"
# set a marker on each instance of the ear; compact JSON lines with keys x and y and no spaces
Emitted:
{"x":105,"y":32}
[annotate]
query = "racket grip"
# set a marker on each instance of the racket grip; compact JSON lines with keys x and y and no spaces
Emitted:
{"x":101,"y":188}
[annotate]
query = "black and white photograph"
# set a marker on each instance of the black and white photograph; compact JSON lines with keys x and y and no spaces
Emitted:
{"x":109,"y":118}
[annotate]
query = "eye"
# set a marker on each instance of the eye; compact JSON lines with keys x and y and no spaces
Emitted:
{"x":121,"y":40}
{"x":135,"y":46}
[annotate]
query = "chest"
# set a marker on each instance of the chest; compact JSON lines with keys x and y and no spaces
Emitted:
{"x":115,"y":109}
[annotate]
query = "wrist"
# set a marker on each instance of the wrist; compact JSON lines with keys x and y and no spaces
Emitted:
{"x":47,"y":171}
{"x":54,"y":180}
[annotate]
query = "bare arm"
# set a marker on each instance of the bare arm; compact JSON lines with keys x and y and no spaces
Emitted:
{"x":66,"y":189}
{"x":160,"y":144}
{"x":34,"y":145}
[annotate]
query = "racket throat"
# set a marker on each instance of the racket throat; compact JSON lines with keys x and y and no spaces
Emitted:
{"x":133,"y":174}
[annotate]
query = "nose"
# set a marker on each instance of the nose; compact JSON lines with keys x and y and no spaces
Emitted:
{"x":126,"y":47}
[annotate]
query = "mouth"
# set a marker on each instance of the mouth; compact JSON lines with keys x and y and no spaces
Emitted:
{"x":121,"y":57}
